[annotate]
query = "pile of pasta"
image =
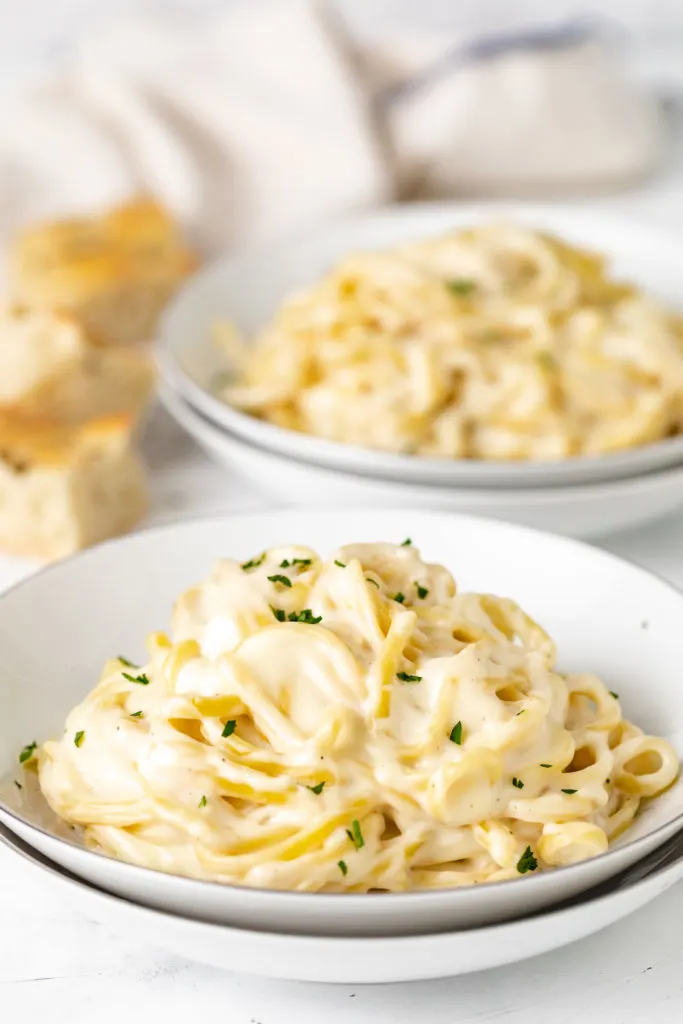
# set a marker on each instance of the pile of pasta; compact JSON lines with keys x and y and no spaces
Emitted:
{"x":351,"y":725}
{"x":497,"y":342}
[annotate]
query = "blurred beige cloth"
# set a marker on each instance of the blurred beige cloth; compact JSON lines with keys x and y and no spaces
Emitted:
{"x":263,"y":117}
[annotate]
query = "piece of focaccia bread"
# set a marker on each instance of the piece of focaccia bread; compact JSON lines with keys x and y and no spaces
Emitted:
{"x":114,"y":272}
{"x":65,"y":487}
{"x":49,"y":369}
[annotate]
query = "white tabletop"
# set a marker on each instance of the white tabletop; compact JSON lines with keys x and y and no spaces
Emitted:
{"x":57,"y":964}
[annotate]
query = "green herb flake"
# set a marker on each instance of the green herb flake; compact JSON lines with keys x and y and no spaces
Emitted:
{"x":356,"y":835}
{"x":517,"y":783}
{"x":141,"y":680}
{"x":27,"y":753}
{"x":520,"y":712}
{"x":527,"y":862}
{"x":278,"y":578}
{"x":400,"y":598}
{"x":342,"y":565}
{"x":461,"y":286}
{"x":546,"y":361}
{"x":128,"y":664}
{"x":79,"y":737}
{"x":18,"y":784}
{"x":305,"y":615}
{"x":317,"y":789}
{"x":570,"y":792}
{"x":615,"y":695}
{"x":203,"y":802}
{"x":546,"y":766}
{"x":406,"y":678}
{"x":341,"y":864}
{"x":136,"y":714}
{"x":406,"y":543}
{"x":374,"y":582}
{"x":253,"y":563}
{"x":455,"y":735}
{"x":278,"y":613}
{"x":229,"y":728}
{"x":421,"y":591}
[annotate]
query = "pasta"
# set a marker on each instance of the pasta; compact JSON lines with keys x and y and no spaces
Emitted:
{"x":353,"y":725}
{"x":496,"y":342}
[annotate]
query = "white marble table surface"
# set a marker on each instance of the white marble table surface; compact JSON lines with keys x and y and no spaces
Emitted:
{"x":58,"y":966}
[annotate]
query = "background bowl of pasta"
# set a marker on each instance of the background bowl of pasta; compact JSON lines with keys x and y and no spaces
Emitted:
{"x":447,"y":345}
{"x":331,"y":738}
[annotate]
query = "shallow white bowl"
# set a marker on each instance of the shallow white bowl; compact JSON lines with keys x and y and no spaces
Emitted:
{"x":247,"y":289}
{"x":58,"y":627}
{"x":366,"y":961}
{"x":581,"y":510}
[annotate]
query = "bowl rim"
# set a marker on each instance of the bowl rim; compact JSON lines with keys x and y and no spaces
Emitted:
{"x":597,"y":489}
{"x":500,"y":473}
{"x":573,"y":905}
{"x":349,"y":899}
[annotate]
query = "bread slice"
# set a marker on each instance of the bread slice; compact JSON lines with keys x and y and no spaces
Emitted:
{"x":65,"y":487}
{"x":114,"y":273}
{"x":49,"y":369}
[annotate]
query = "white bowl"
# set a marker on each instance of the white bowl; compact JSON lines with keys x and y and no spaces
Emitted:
{"x":587,"y":510}
{"x":366,"y":961}
{"x":607,"y":616}
{"x":247,"y":288}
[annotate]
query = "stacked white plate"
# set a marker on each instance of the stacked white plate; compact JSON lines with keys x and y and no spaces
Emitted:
{"x":607,"y":616}
{"x":583,"y":496}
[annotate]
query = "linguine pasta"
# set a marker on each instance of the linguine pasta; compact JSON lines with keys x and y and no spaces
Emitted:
{"x":352,"y":725}
{"x":496,"y":342}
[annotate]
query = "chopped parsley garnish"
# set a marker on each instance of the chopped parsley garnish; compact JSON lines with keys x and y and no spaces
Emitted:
{"x":570,"y":792}
{"x":421,"y":591}
{"x":142,"y":679}
{"x":461,"y":286}
{"x":136,"y":714}
{"x":128,"y":664}
{"x":341,"y":864}
{"x":278,"y":578}
{"x":285,"y":563}
{"x":406,"y":543}
{"x":527,"y":862}
{"x":517,"y":783}
{"x":229,"y":728}
{"x":615,"y":695}
{"x":254,"y":563}
{"x":456,"y":733}
{"x":79,"y":737}
{"x":18,"y":784}
{"x":406,"y":678}
{"x":374,"y":582}
{"x":520,"y":712}
{"x":278,"y":613}
{"x":342,"y":565}
{"x":203,"y":802}
{"x":545,"y":360}
{"x":27,"y":753}
{"x":317,"y":789}
{"x":546,"y":766}
{"x":355,"y":835}
{"x":399,"y":597}
{"x":305,"y":615}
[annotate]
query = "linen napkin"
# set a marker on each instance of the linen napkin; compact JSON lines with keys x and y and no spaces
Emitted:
{"x":258,"y":117}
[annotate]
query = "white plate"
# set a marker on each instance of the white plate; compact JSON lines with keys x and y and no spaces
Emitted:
{"x":588,"y":510}
{"x":58,"y":627}
{"x":247,"y":288}
{"x":367,"y":961}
